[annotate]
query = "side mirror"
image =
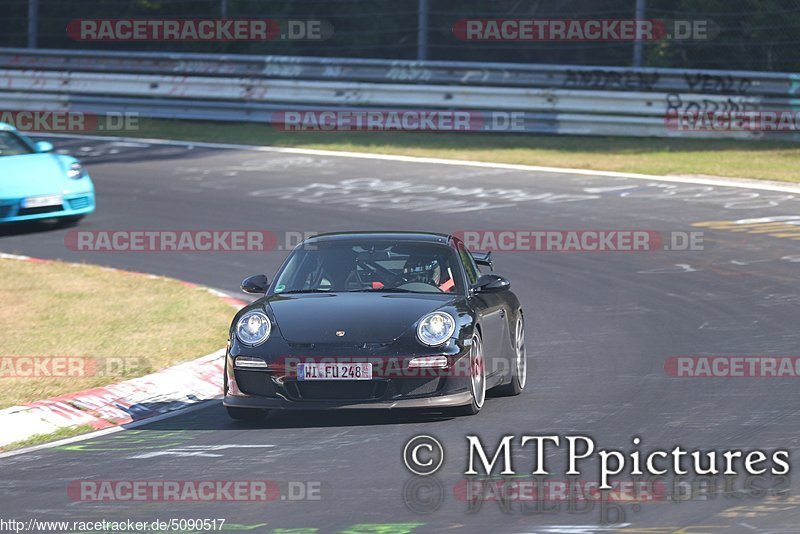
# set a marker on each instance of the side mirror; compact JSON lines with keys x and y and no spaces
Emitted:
{"x":255,"y":285}
{"x":491,"y":283}
{"x":43,"y":147}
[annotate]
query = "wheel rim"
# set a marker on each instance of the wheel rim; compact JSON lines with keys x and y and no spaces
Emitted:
{"x":522,"y":361}
{"x":477,"y":372}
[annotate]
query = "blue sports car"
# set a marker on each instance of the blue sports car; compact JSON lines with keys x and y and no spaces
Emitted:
{"x":35,"y":183}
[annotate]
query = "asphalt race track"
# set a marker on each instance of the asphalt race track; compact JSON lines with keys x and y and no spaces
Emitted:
{"x":600,"y":327}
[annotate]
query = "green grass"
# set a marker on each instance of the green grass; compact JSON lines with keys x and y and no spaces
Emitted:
{"x":768,"y":160}
{"x":38,"y":439}
{"x":114,"y":325}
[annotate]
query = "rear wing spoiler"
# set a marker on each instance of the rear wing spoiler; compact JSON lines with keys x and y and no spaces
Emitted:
{"x":483,"y":258}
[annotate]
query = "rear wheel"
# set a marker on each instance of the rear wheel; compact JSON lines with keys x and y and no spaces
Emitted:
{"x":519,"y":367}
{"x":477,"y":379}
{"x":246,"y":414}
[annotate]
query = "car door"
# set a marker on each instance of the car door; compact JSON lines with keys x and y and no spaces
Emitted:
{"x":491,"y":311}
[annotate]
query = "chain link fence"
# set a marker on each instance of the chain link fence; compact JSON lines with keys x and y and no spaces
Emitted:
{"x":759,"y":35}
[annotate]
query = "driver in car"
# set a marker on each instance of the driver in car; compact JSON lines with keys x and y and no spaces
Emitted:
{"x":429,"y":271}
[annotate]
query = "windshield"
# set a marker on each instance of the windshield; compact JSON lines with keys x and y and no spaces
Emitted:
{"x":12,"y":145}
{"x":380,"y":266}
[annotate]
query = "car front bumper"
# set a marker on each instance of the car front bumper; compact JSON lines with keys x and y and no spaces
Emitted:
{"x":451,"y":400}
{"x":74,"y":205}
{"x":393,"y":385}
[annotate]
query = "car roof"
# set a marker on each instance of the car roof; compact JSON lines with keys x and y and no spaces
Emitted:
{"x":6,"y":127}
{"x":425,"y":237}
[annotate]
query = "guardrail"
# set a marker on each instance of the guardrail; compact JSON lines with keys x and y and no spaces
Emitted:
{"x":546,"y":98}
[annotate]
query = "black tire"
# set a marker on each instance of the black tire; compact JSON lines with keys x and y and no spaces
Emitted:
{"x":251,"y":415}
{"x":476,"y":365}
{"x":519,"y":367}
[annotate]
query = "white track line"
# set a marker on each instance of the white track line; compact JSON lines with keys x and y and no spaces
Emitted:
{"x":720,"y":182}
{"x":761,"y":185}
{"x":133,"y":424}
{"x":66,"y":441}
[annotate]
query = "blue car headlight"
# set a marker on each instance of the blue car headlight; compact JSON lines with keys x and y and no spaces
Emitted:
{"x":76,"y":171}
{"x":253,"y":328}
{"x":435,"y":328}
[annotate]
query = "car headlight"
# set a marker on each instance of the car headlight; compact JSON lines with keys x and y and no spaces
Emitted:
{"x":76,"y":171}
{"x":253,"y":328}
{"x":436,"y":328}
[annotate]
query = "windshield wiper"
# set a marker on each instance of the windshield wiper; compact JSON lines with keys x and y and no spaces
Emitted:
{"x":295,"y":291}
{"x":381,"y":290}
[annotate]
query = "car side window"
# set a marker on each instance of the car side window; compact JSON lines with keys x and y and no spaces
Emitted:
{"x":11,"y":145}
{"x":469,"y":263}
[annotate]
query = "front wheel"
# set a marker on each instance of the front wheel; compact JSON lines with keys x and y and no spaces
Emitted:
{"x":477,"y":378}
{"x":246,"y":414}
{"x":519,"y":367}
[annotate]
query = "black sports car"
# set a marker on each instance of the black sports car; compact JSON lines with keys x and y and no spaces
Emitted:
{"x":376,"y":320}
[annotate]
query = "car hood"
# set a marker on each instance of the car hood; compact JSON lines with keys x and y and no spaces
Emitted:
{"x":32,"y":174}
{"x":364,"y":317}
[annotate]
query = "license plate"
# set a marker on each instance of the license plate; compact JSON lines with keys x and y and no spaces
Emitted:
{"x":334,"y":371}
{"x":41,"y":202}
